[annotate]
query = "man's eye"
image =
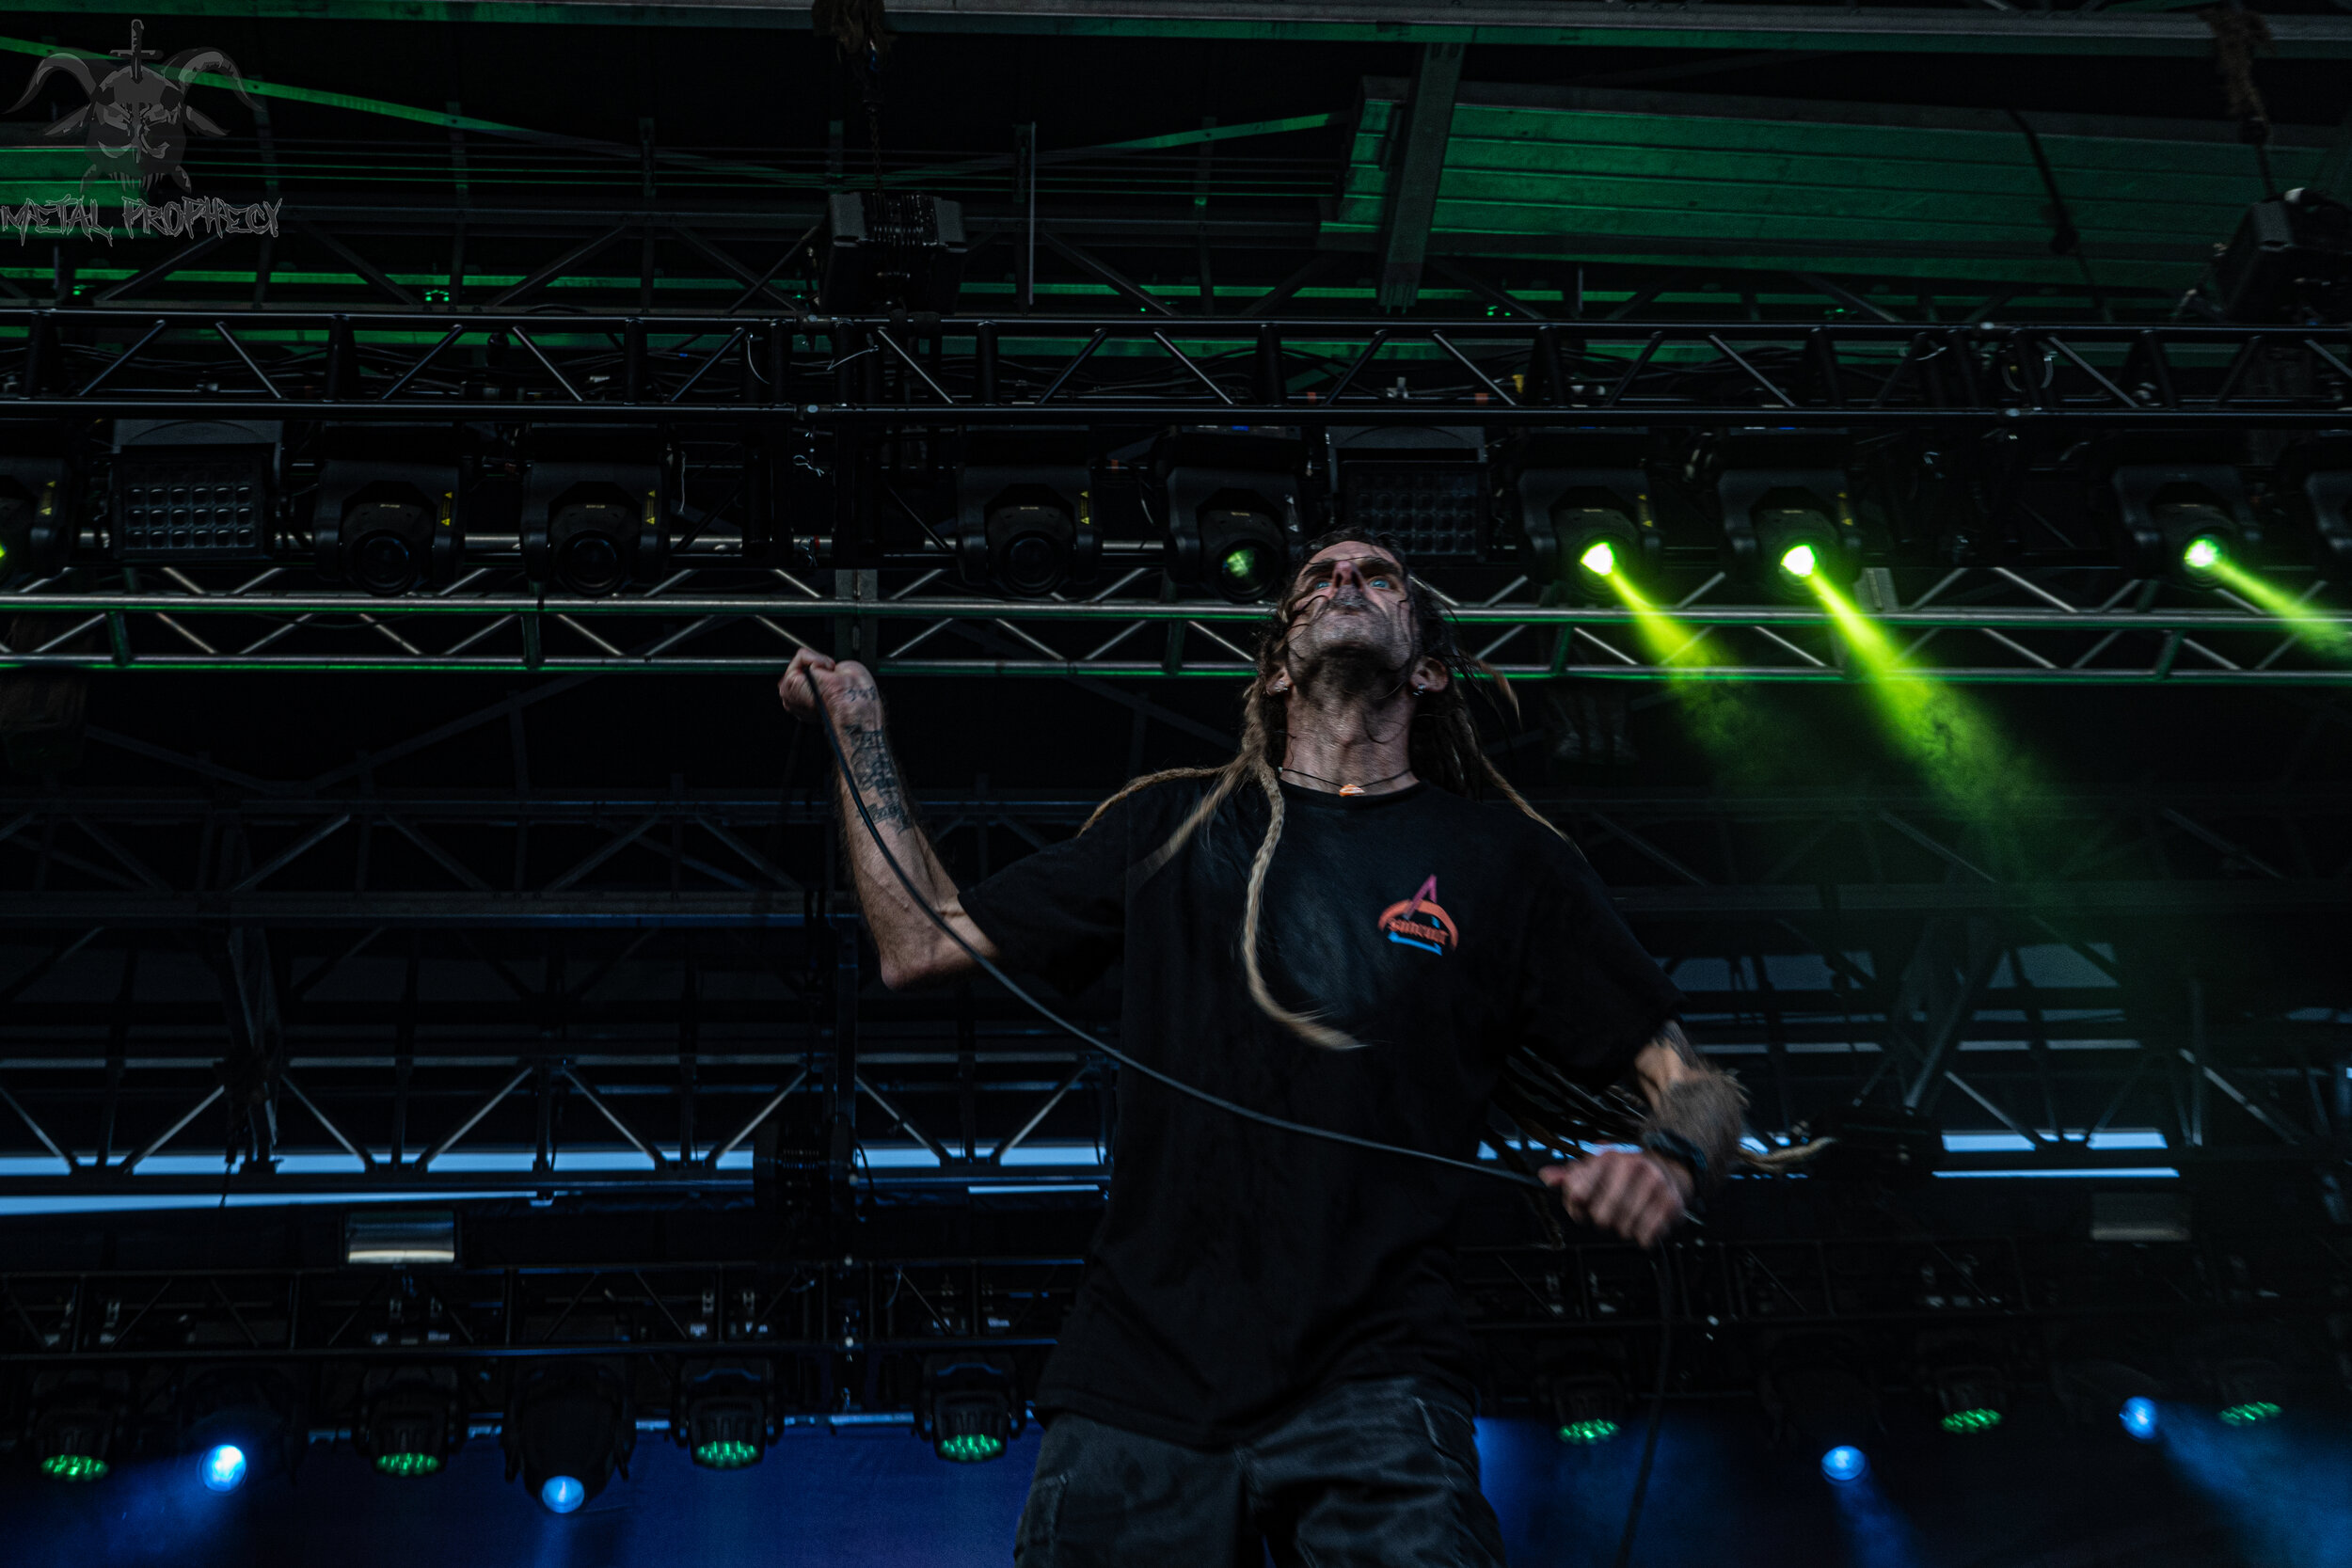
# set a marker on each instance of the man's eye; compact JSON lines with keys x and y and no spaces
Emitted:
{"x":1382,"y":581}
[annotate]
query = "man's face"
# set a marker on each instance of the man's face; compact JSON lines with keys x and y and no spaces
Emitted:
{"x":1353,"y":614}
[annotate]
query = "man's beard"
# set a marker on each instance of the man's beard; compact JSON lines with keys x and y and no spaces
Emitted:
{"x":1347,"y":666}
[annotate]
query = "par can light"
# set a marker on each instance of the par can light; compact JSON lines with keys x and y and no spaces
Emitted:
{"x":2140,"y":1418}
{"x":224,"y":1467}
{"x":563,"y":1493}
{"x":1844,"y":1463}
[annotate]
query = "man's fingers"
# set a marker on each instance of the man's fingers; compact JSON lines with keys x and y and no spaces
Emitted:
{"x":1625,"y":1193}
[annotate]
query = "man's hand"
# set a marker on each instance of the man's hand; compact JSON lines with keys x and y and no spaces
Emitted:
{"x":1639,"y":1197}
{"x":846,"y":685}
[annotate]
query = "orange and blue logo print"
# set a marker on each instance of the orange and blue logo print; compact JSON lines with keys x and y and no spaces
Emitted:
{"x":1417,"y":922}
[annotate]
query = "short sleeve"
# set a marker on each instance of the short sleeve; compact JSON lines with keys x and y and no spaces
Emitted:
{"x":1062,"y":911}
{"x":1590,"y":996}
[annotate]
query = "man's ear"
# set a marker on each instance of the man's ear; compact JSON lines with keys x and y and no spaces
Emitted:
{"x":1431,"y":676}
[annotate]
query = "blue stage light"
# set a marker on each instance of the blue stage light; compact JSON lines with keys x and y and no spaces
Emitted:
{"x":2139,"y":1419}
{"x":1845,"y":1462}
{"x":563,"y":1493}
{"x":224,"y":1467}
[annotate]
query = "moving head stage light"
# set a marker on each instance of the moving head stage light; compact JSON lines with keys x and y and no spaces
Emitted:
{"x":38,"y":503}
{"x":569,"y":1426}
{"x":1232,"y":511}
{"x":721,"y":1414}
{"x":387,"y":515}
{"x":596,"y":508}
{"x":75,"y":1420}
{"x":2177,"y":507}
{"x":1785,"y":514}
{"x":239,"y":1422}
{"x":192,"y":491}
{"x":2310,"y":491}
{"x":1024,"y":522}
{"x":411,"y":1421}
{"x":970,"y":1408}
{"x":1583,"y":513}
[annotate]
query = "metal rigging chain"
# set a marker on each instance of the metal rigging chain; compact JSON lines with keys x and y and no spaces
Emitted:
{"x":858,"y":800}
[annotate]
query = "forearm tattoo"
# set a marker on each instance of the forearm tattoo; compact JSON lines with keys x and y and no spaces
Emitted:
{"x":1706,"y":1110}
{"x":875,"y":775}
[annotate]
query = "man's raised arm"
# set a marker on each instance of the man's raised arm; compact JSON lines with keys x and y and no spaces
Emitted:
{"x":915,"y":951}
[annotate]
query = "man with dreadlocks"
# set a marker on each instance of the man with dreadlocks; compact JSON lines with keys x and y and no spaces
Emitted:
{"x":1268,"y":1351}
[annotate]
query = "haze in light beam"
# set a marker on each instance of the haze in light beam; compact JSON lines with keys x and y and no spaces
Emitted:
{"x":1963,"y":758}
{"x":2327,"y":635}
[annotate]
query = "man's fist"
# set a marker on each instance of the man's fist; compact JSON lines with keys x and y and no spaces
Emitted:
{"x":1639,"y":1197}
{"x":846,"y":685}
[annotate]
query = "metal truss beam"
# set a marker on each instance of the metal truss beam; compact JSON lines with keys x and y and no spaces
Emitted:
{"x":1561,"y":23}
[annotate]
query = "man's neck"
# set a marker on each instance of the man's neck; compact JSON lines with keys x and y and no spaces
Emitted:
{"x":1351,"y":743}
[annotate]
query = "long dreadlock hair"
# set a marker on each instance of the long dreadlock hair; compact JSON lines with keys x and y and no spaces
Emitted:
{"x":1443,"y":748}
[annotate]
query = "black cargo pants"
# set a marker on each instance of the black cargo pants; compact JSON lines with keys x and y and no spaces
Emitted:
{"x":1370,"y":1475}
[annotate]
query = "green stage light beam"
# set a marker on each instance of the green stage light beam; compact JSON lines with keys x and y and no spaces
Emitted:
{"x":2323,"y":632}
{"x":1964,"y":758}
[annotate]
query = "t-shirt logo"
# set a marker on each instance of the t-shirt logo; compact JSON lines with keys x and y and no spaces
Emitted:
{"x":1417,"y":922}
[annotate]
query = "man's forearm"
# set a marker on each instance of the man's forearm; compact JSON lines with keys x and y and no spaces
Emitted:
{"x":1693,"y":1105}
{"x":896,"y":921}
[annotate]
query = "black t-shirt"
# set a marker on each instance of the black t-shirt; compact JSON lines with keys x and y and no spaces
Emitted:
{"x":1239,"y":1269}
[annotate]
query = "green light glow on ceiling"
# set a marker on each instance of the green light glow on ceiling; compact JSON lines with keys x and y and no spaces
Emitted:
{"x":1596,"y":1430}
{"x":408,"y":1465}
{"x":1979,"y":1419}
{"x":74,"y":1466}
{"x":2249,"y":1413}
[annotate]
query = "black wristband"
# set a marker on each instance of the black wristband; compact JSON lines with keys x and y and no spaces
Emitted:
{"x":1674,"y":1145}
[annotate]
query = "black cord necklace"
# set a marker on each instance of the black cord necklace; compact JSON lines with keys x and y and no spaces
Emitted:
{"x":1345,"y":788}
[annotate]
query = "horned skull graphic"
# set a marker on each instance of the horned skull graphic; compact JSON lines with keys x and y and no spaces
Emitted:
{"x":137,"y":121}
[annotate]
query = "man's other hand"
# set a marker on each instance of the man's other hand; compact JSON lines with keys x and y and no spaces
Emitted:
{"x":847,"y":685}
{"x":1638,"y":1196}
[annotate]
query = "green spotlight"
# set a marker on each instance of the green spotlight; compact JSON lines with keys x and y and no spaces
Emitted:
{"x":1596,"y":1430}
{"x":74,"y":1466}
{"x":1799,"y":560}
{"x":409,"y":1464}
{"x":2246,"y":1415}
{"x":1601,"y":558}
{"x":970,"y":1447}
{"x":2203,"y":553}
{"x":726,"y":1454}
{"x":1982,"y":1418}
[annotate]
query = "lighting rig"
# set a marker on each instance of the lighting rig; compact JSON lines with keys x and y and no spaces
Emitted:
{"x":2177,"y":507}
{"x":1583,"y":513}
{"x":1426,"y":487}
{"x":389,"y":509}
{"x":1783,"y":504}
{"x":969,"y":1408}
{"x":595,"y":507}
{"x":722,"y":1412}
{"x":1024,"y":524}
{"x":1233,"y":519}
{"x":412,"y":1419}
{"x":194,"y":492}
{"x":239,"y":1422}
{"x":569,"y":1427}
{"x":40,"y":500}
{"x":77,"y":1420}
{"x":1819,"y":1393}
